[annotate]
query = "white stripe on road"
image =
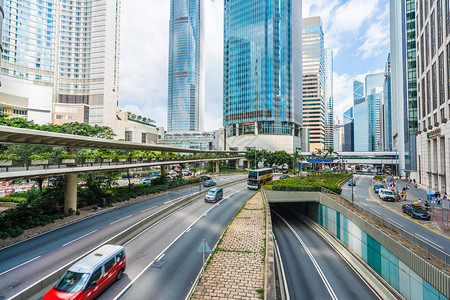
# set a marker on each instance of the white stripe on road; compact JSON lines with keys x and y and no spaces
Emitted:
{"x":120,"y":219}
{"x":392,"y":221}
{"x":161,"y":256}
{"x":316,"y":265}
{"x":189,"y":229}
{"x":20,"y":265}
{"x":429,"y":241}
{"x":79,"y":238}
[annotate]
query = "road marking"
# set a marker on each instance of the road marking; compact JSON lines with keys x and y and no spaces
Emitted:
{"x":316,"y":265}
{"x":20,"y":265}
{"x":120,"y":220}
{"x":392,"y":221}
{"x":363,"y":203}
{"x":429,"y":241}
{"x":160,"y":257}
{"x":79,"y":238}
{"x":407,"y":218}
{"x":189,"y":229}
{"x":148,"y":266}
{"x":147,"y":209}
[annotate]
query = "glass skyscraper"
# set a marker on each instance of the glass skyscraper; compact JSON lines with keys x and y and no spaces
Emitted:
{"x":358,"y":90}
{"x":262,"y":72}
{"x":186,"y":76}
{"x":2,"y":14}
{"x":329,"y":128}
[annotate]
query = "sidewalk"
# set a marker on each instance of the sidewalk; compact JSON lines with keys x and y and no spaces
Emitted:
{"x":236,"y":270}
{"x":438,"y":213}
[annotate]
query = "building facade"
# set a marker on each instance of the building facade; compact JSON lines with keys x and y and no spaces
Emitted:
{"x":386,"y":109}
{"x":329,"y":100}
{"x":186,"y":69}
{"x":374,"y":91}
{"x":433,"y":87}
{"x":2,"y":15}
{"x":349,"y":142}
{"x":262,"y":96}
{"x":361,"y":129}
{"x":358,"y":90}
{"x":67,"y":66}
{"x":404,"y":82}
{"x":314,"y":104}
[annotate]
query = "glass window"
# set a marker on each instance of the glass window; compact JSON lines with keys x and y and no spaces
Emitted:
{"x":72,"y":282}
{"x":109,"y":264}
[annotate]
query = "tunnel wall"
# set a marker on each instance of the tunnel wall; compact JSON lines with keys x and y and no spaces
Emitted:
{"x":410,"y":284}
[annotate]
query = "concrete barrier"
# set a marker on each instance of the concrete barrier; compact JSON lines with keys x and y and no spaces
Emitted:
{"x":36,"y":290}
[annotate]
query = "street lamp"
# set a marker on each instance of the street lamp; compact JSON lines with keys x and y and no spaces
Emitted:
{"x":353,"y":195}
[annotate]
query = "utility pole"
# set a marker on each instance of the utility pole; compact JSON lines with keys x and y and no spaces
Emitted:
{"x":353,"y":195}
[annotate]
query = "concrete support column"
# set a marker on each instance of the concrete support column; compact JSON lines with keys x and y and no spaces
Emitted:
{"x":217,"y":166}
{"x":237,"y":129}
{"x":70,"y":193}
{"x":256,"y":128}
{"x":447,"y":165}
{"x":163,"y":170}
{"x":236,"y":164}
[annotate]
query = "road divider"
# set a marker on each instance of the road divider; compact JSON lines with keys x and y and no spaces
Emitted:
{"x":35,"y":291}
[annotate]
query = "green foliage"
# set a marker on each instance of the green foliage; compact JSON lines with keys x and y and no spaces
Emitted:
{"x":379,"y":177}
{"x":15,"y":198}
{"x":67,"y":156}
{"x":6,"y":156}
{"x":312,"y":182}
{"x":42,"y":156}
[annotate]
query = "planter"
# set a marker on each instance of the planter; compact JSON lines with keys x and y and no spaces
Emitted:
{"x":444,"y":120}
{"x":39,"y":162}
{"x":106,"y":160}
{"x":5,"y":163}
{"x":122,"y":159}
{"x":89,"y":160}
{"x":68,"y":161}
{"x":436,"y":124}
{"x":430,"y":127}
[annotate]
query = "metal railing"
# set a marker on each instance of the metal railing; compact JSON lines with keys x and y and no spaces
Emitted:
{"x":375,"y":219}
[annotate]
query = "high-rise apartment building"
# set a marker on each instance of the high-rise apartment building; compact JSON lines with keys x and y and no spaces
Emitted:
{"x":433,"y":97}
{"x":66,"y":68}
{"x":329,"y":115}
{"x":404,"y":81}
{"x":314,"y":103}
{"x":186,"y":74}
{"x":262,"y":96}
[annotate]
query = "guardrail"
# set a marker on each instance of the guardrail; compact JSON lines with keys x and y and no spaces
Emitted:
{"x":120,"y":238}
{"x":430,"y":250}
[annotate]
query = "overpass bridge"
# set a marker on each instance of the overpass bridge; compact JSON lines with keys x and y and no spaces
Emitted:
{"x":380,"y":159}
{"x":13,"y":135}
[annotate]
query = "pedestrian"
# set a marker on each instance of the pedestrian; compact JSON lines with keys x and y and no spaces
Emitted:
{"x":445,"y":196}
{"x":414,"y":180}
{"x":420,"y":202}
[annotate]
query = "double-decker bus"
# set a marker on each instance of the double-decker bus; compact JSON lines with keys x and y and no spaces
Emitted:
{"x":257,"y":178}
{"x":358,"y":168}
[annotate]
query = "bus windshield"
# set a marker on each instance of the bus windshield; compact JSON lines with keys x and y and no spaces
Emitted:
{"x":72,"y":282}
{"x":253,"y":182}
{"x":252,"y":175}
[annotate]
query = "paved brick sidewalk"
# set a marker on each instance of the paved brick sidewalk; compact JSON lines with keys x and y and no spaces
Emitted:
{"x":236,"y":270}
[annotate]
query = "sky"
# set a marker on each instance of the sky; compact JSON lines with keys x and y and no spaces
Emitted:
{"x":357,"y":31}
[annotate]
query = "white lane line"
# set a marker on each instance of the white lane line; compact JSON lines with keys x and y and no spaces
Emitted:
{"x":160,"y":257}
{"x":79,"y":238}
{"x":316,"y":265}
{"x":425,"y":240}
{"x":20,"y":265}
{"x":189,"y":229}
{"x":363,"y":203}
{"x":392,"y":221}
{"x":120,"y":220}
{"x":148,"y":266}
{"x":148,"y":208}
{"x":288,"y":297}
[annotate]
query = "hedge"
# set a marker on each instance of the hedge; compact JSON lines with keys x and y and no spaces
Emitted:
{"x":307,"y":187}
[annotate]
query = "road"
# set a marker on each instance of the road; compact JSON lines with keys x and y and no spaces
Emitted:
{"x":313,"y":269}
{"x":366,"y":198}
{"x":50,"y":251}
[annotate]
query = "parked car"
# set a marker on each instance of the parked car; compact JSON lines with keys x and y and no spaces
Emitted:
{"x":128,"y":176}
{"x":386,"y":195}
{"x":284,"y":176}
{"x":377,"y":188}
{"x":352,"y":182}
{"x":285,"y":171}
{"x":145,"y":181}
{"x":209,"y":183}
{"x":415,"y":211}
{"x":214,"y":195}
{"x":205,"y":177}
{"x":154,"y":175}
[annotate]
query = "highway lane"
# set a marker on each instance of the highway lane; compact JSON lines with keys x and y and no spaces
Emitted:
{"x":181,"y":263}
{"x":313,"y":269}
{"x":52,"y":250}
{"x":369,"y":200}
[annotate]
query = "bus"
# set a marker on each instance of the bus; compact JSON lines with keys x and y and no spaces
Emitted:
{"x":358,"y":168}
{"x":257,"y":178}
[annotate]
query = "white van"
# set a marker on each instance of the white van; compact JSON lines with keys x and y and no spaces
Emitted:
{"x":386,"y":195}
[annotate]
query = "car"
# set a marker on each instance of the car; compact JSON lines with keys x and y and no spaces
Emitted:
{"x":214,"y":195}
{"x":128,"y":176}
{"x":205,"y":177}
{"x":415,"y":211}
{"x":285,"y":171}
{"x":386,"y":195}
{"x":208,"y":183}
{"x":377,"y":188}
{"x":352,"y":182}
{"x":145,"y":181}
{"x":284,"y":176}
{"x":154,"y":175}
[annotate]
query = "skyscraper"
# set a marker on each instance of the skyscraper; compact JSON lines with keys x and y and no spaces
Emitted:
{"x":262,"y":100}
{"x":404,"y":80}
{"x":349,"y":141}
{"x":358,"y":90}
{"x":329,"y":116}
{"x":314,"y":103}
{"x":2,"y":15}
{"x":433,"y":78}
{"x":186,"y":74}
{"x":67,"y":66}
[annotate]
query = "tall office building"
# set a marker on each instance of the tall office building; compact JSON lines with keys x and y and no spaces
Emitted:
{"x":186,"y":74}
{"x":349,"y":142}
{"x":433,"y":87}
{"x":314,"y":104}
{"x":262,"y":96}
{"x":329,"y":116}
{"x":366,"y":115}
{"x":2,"y":15}
{"x":66,"y":68}
{"x":386,"y":109}
{"x":404,"y":80}
{"x":358,"y":90}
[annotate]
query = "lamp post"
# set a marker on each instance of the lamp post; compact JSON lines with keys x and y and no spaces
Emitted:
{"x":353,"y":195}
